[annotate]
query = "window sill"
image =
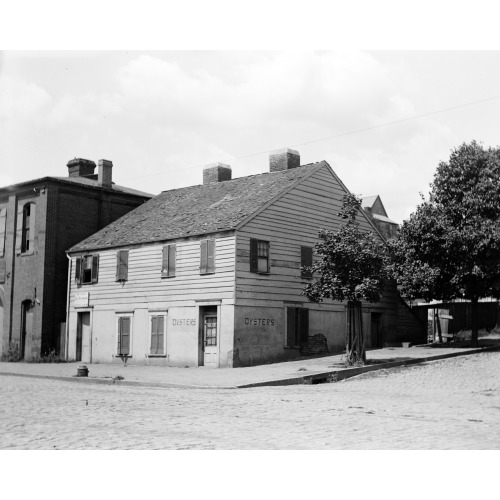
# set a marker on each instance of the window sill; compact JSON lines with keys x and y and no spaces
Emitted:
{"x":167,"y":276}
{"x":156,"y":355}
{"x":122,"y":356}
{"x":26,"y":254}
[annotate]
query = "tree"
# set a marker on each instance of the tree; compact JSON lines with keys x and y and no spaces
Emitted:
{"x":450,"y":247}
{"x":352,"y":267}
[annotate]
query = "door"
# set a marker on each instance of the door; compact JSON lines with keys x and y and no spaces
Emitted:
{"x":83,"y":347}
{"x":210,"y":340}
{"x":26,"y":326}
{"x":376,"y":330}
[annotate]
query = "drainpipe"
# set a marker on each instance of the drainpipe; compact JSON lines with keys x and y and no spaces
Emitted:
{"x":66,"y":352}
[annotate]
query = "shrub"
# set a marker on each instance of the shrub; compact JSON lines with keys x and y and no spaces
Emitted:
{"x":13,"y":353}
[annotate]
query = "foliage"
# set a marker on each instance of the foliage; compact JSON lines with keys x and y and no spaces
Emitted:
{"x":12,"y":354}
{"x":450,"y":246}
{"x":352,"y":268}
{"x":50,"y":357}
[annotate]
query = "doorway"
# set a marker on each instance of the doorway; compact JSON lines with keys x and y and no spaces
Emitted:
{"x":26,"y":325}
{"x":377,"y":338}
{"x":83,"y":347}
{"x":209,"y":337}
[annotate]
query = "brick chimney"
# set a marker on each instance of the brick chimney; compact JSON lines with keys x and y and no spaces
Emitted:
{"x":80,"y":167}
{"x":283,"y":159}
{"x":104,"y":175}
{"x":216,"y":172}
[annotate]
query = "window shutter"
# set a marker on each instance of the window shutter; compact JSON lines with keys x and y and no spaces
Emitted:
{"x":3,"y":221}
{"x":290,"y":326}
{"x":154,"y":335}
{"x":121,"y":265}
{"x":95,"y":268}
{"x":254,"y":262}
{"x":164,"y":260}
{"x":210,"y":256}
{"x":203,"y":256}
{"x":19,"y":228}
{"x":160,"y":327}
{"x":303,"y":326}
{"x":171,"y":260}
{"x":31,"y":239}
{"x":306,"y":258}
{"x":124,"y":336}
{"x":78,"y":270}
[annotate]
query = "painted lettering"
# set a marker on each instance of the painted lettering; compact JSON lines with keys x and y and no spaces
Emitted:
{"x":184,"y":322}
{"x":259,"y":321}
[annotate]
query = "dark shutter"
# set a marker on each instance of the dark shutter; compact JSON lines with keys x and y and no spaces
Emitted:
{"x":290,"y":326}
{"x":124,"y":336}
{"x":122,"y":265}
{"x":303,"y":330}
{"x":254,"y":261}
{"x":164,"y":260}
{"x":160,"y":324}
{"x":210,"y":256}
{"x":95,"y":268}
{"x":3,"y":220}
{"x":19,"y":228}
{"x":154,"y":334}
{"x":306,"y":260}
{"x":78,"y":270}
{"x":31,"y":238}
{"x":171,"y":260}
{"x":203,"y":256}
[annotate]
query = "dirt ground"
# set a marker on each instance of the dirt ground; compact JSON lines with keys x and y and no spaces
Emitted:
{"x":447,"y":404}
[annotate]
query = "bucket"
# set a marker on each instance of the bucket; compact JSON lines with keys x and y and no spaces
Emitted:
{"x":82,"y":371}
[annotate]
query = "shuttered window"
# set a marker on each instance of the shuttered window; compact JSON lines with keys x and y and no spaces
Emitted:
{"x":157,"y":334}
{"x":207,"y":256}
{"x":259,"y":256}
{"x":168,"y":261}
{"x":122,"y":265}
{"x":124,"y":335}
{"x":25,"y":231}
{"x":87,"y":269}
{"x":306,"y":260}
{"x":3,"y":221}
{"x":297,"y":326}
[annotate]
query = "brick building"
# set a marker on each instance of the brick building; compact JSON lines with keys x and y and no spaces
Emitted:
{"x":39,"y":220}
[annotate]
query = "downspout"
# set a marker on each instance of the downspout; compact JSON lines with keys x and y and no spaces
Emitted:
{"x":66,"y":346}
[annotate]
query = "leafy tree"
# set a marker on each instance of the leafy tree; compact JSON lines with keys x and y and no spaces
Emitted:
{"x":450,"y":247}
{"x":352,"y":268}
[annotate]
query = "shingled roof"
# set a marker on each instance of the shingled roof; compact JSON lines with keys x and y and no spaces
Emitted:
{"x":196,"y":210}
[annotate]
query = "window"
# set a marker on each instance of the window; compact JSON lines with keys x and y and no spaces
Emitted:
{"x":157,"y":323}
{"x":207,"y":256}
{"x":124,"y":335}
{"x":297,"y":326}
{"x":306,"y":260}
{"x":25,"y":236}
{"x":86,"y":269}
{"x":3,"y":221}
{"x":259,"y":256}
{"x":122,"y":265}
{"x":168,"y":261}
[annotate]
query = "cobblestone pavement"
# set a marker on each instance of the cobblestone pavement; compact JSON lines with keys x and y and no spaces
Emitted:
{"x":447,"y":404}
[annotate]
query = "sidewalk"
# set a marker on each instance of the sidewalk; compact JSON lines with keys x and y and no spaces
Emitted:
{"x":304,"y":371}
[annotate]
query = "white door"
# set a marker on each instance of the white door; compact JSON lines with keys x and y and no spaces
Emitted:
{"x":210,"y":340}
{"x":84,"y":325}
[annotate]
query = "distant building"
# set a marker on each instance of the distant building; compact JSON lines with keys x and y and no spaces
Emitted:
{"x":211,"y":275}
{"x":39,"y":220}
{"x":375,"y":210}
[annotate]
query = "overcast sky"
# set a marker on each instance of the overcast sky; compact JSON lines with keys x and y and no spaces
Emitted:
{"x":160,"y":116}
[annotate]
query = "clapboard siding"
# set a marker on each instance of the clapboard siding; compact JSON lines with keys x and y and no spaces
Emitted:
{"x":289,"y":223}
{"x":145,"y":283}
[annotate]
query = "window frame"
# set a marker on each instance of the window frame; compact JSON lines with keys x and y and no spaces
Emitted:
{"x":157,"y":314}
{"x":122,"y":260}
{"x":118,"y":342}
{"x":306,"y":260}
{"x":3,"y":229}
{"x":255,"y":258}
{"x":79,"y":269}
{"x":25,"y":228}
{"x":207,"y":256}
{"x":168,"y":260}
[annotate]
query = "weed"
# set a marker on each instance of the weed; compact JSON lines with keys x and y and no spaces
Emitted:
{"x":13,"y":353}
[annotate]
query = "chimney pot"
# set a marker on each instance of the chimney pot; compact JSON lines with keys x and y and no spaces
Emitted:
{"x":283,"y":159}
{"x":105,"y":175}
{"x":79,"y":167}
{"x":216,"y":172}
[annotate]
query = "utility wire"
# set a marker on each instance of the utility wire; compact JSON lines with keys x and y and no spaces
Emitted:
{"x":343,"y":134}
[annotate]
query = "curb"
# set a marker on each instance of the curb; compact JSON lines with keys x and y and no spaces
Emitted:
{"x":316,"y":378}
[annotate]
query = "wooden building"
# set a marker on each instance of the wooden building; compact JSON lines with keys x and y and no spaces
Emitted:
{"x":375,"y":210}
{"x":39,"y":220}
{"x":211,"y":274}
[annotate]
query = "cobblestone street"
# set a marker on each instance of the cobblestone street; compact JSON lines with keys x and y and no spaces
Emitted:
{"x":447,"y":404}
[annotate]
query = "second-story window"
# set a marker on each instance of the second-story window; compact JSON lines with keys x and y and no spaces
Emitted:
{"x":25,"y":237}
{"x":86,"y":269}
{"x":259,"y":256}
{"x":207,"y":256}
{"x":122,"y":265}
{"x":3,"y":221}
{"x":306,"y":261}
{"x":168,"y":261}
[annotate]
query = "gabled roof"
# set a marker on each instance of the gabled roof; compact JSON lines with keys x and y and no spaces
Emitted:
{"x":384,"y":219}
{"x":369,"y":201}
{"x":196,"y":210}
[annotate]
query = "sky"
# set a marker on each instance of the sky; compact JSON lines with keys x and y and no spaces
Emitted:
{"x":381,"y":119}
